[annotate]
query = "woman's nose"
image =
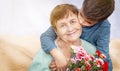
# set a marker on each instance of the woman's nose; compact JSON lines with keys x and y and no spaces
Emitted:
{"x":70,"y":28}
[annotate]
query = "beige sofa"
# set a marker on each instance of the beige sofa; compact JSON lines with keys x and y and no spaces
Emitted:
{"x":17,"y":52}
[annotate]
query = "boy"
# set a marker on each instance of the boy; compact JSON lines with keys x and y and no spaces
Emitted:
{"x":96,"y":30}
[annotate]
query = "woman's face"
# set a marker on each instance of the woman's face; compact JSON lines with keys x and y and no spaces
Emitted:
{"x":68,"y":28}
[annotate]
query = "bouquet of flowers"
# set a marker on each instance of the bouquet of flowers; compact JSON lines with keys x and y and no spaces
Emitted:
{"x":80,"y":60}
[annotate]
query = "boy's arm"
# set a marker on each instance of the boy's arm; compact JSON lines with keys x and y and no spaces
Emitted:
{"x":48,"y":45}
{"x":103,"y":44}
{"x":104,"y":39}
{"x":47,"y":40}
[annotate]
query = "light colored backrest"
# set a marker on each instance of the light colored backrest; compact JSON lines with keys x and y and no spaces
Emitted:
{"x":115,"y":53}
{"x":17,"y":52}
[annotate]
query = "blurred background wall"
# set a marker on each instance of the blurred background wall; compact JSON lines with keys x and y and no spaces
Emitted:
{"x":32,"y":16}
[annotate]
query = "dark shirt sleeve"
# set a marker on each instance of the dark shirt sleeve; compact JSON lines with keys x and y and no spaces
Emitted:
{"x":47,"y":40}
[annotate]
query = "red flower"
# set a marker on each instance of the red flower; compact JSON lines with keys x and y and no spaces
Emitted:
{"x":88,"y":67}
{"x":77,"y":69}
{"x":105,"y":66}
{"x":98,"y":52}
{"x":99,"y":61}
{"x":92,"y":57}
{"x":102,"y":56}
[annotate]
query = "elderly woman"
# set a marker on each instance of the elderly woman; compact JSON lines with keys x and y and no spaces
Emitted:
{"x":64,"y":20}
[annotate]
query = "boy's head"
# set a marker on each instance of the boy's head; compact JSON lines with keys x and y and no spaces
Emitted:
{"x":64,"y":20}
{"x":94,"y":11}
{"x":60,"y":11}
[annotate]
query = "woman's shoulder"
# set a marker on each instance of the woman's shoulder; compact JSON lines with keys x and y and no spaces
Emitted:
{"x":88,"y":46}
{"x":41,"y":61}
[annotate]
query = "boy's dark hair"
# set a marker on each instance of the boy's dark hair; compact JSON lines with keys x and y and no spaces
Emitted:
{"x":98,"y":10}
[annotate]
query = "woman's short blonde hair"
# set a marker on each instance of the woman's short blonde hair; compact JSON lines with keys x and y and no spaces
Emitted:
{"x":60,"y":11}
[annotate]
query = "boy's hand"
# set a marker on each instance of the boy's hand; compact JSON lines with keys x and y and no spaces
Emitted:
{"x":53,"y":66}
{"x":60,"y":59}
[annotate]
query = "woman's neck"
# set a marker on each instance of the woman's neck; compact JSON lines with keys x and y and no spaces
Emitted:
{"x":65,"y":46}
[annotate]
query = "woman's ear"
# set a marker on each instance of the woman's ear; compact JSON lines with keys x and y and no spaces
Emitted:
{"x":55,"y":31}
{"x":79,"y":18}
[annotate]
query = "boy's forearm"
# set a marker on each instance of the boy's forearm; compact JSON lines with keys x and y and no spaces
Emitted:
{"x":104,"y":38}
{"x":103,"y":46}
{"x":47,"y":40}
{"x":54,"y":52}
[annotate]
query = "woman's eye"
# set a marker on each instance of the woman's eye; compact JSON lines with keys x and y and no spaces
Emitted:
{"x":73,"y":22}
{"x":61,"y":26}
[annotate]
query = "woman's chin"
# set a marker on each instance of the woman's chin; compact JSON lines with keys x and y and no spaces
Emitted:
{"x":73,"y":39}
